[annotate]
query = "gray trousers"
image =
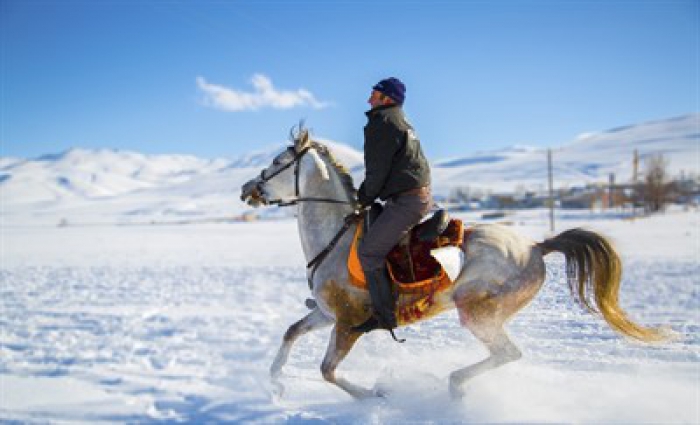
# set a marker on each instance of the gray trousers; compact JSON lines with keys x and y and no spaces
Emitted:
{"x":400,"y":214}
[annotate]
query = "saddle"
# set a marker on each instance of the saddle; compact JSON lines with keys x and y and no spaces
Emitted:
{"x":410,"y":264}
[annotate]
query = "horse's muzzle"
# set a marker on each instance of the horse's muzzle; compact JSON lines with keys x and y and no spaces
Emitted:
{"x":251,"y":193}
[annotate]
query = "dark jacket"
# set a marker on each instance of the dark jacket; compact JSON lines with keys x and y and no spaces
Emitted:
{"x":394,"y":160}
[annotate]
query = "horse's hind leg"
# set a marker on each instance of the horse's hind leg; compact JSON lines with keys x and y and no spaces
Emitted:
{"x":312,"y":321}
{"x":342,"y":341}
{"x":488,"y":328}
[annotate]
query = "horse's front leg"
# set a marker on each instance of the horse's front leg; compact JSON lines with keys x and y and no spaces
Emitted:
{"x":342,"y":341}
{"x":312,"y":321}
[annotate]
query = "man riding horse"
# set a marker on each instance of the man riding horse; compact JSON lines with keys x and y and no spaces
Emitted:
{"x":396,"y":171}
{"x":500,"y":273}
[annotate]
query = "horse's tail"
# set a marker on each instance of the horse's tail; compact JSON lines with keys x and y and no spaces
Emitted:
{"x":593,"y":269}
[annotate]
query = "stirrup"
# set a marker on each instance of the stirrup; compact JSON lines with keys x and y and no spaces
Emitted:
{"x":400,"y":341}
{"x":368,"y":325}
{"x":372,"y":324}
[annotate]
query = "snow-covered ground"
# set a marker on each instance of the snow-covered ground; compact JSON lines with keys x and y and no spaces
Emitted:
{"x":108,"y":323}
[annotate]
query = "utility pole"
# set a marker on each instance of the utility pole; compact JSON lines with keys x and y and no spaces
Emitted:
{"x":611,"y":190}
{"x":551,"y":190}
{"x":636,"y":195}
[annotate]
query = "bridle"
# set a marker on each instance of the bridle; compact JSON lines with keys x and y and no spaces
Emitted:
{"x":349,"y":220}
{"x":296,"y":162}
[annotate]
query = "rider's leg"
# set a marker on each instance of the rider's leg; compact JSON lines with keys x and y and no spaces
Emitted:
{"x":383,"y":299}
{"x":399,"y":215}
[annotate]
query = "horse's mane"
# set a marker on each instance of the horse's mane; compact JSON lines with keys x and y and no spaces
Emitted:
{"x":343,"y":173}
{"x":300,"y":132}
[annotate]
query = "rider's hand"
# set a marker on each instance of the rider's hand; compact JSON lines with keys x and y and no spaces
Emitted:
{"x":363,"y":199}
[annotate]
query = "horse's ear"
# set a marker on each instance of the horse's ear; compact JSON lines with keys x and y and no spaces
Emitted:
{"x":302,"y":140}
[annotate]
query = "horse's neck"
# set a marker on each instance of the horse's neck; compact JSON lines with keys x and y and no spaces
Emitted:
{"x":319,"y":222}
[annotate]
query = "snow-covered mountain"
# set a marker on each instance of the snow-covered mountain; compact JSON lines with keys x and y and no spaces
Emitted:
{"x":109,"y":185}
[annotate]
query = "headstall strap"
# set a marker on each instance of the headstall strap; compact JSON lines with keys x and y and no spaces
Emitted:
{"x":295,"y":161}
{"x":296,"y":172}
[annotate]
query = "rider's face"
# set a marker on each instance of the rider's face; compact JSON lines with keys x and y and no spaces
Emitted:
{"x":377,"y":98}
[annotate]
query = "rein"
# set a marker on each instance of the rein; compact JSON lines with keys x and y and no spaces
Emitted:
{"x":350,"y":219}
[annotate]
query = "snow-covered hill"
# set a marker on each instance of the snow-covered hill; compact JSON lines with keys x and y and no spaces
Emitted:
{"x":350,"y":157}
{"x":90,"y":174}
{"x":110,"y":185}
{"x":589,"y":158}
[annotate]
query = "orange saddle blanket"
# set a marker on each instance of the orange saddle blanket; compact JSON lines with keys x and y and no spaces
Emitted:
{"x":410,"y":264}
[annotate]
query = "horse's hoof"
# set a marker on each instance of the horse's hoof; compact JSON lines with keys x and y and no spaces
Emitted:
{"x":381,"y":391}
{"x":277,"y":389}
{"x":365,"y":394}
{"x":456,"y":392}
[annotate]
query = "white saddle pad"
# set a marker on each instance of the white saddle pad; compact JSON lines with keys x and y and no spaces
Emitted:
{"x":451,"y":258}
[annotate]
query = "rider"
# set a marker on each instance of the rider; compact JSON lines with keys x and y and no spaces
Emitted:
{"x":397,"y":172}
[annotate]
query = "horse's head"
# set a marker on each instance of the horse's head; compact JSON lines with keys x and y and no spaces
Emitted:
{"x":280,"y":180}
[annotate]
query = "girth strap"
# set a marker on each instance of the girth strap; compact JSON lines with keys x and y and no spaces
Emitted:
{"x":350,"y":219}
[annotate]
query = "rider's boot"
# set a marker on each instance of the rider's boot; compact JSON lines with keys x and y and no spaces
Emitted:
{"x":383,"y":303}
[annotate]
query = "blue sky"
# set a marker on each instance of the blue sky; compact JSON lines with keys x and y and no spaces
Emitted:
{"x":222,"y":78}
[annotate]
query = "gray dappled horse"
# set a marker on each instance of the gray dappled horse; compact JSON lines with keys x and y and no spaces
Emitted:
{"x":501,"y":273}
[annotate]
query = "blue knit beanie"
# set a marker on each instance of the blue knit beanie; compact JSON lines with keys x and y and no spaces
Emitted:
{"x":392,"y":87}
